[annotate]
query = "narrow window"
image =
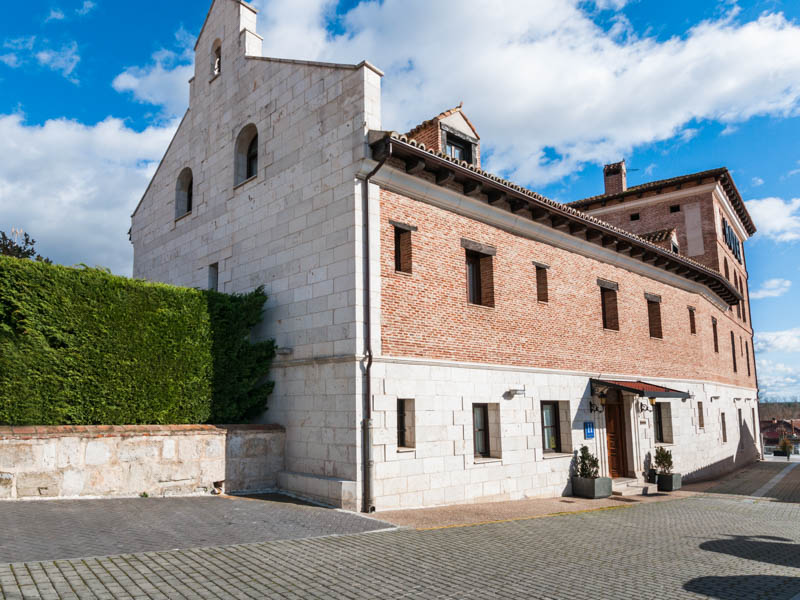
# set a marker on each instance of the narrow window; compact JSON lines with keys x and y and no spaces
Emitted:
{"x":675,"y":208}
{"x":692,"y":321}
{"x":716,"y":338}
{"x":700,"y":416}
{"x":551,"y":435}
{"x":608,"y":301}
{"x":184,"y":193}
{"x":654,"y":316}
{"x":252,"y":158}
{"x":675,"y":248}
{"x":738,"y":304}
{"x":724,"y":428}
{"x":480,"y":429}
{"x":217,"y":60}
{"x":480,"y":279}
{"x":541,"y":283}
{"x":401,"y":423}
{"x":635,"y":217}
{"x":741,"y":424}
{"x":658,"y":422}
{"x":747,"y":357}
{"x":733,"y":351}
{"x":213,"y":277}
{"x":727,"y":271}
{"x":402,"y":250}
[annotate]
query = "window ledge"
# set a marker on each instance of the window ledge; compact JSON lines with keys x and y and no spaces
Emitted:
{"x":482,"y":460}
{"x":611,"y":330}
{"x":664,"y":444}
{"x":405,"y":449}
{"x":214,"y":77}
{"x":245,"y":182}
{"x":549,"y":455}
{"x":657,"y":339}
{"x":484,"y":306}
{"x":402,"y":273}
{"x":183,"y":216}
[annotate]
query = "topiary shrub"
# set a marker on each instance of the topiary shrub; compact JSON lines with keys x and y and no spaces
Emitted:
{"x":240,"y":366}
{"x":588,"y":466}
{"x":663,"y":460}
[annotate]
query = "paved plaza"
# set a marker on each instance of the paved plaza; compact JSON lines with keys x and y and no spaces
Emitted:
{"x":724,"y":544}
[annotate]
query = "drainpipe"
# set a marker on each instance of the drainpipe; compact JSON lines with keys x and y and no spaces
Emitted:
{"x":366,"y":425}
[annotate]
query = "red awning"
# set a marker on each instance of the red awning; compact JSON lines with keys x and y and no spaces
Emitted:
{"x":640,"y":388}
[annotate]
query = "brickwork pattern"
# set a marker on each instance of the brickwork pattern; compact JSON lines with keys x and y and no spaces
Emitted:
{"x":720,"y":548}
{"x":427,"y":315}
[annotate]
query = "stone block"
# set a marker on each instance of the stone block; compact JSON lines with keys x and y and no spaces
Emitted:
{"x":38,"y":485}
{"x":98,"y":452}
{"x":6,"y":485}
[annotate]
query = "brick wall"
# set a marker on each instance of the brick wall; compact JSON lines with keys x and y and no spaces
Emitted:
{"x":427,"y":315}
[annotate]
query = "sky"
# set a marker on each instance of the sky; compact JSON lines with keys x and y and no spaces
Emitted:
{"x":91,"y":92}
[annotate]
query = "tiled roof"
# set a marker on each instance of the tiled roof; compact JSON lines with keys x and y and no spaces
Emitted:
{"x":642,"y":388}
{"x":662,"y":235}
{"x":443,"y":115}
{"x":720,"y":173}
{"x":731,"y":295}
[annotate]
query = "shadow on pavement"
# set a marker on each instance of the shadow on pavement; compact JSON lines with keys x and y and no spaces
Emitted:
{"x":736,"y":587}
{"x":763,"y":548}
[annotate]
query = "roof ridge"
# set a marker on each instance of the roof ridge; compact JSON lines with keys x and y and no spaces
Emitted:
{"x":443,"y":115}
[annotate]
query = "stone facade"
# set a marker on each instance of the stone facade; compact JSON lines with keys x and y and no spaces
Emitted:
{"x":106,"y":461}
{"x":315,"y":225}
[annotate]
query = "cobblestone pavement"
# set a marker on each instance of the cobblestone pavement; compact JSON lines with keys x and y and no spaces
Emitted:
{"x":757,"y":480}
{"x":46,"y":530}
{"x":713,"y":546}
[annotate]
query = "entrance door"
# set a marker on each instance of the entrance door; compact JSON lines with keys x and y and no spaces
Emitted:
{"x":615,"y":436}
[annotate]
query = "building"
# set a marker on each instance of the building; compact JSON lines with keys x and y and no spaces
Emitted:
{"x":445,"y":335}
{"x":774,"y":430}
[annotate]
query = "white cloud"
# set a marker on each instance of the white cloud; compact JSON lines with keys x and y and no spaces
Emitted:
{"x":55,"y":15}
{"x":10,"y":60}
{"x":64,"y":60}
{"x":73,"y":186}
{"x":757,"y":181}
{"x":165,"y":82}
{"x":787,"y":340}
{"x":776,"y":219}
{"x":536,"y":75}
{"x":22,"y":43}
{"x":776,"y":379}
{"x":772,"y":288}
{"x":87,"y":7}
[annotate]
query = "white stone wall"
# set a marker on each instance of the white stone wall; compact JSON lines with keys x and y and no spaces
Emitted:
{"x":442,"y":468}
{"x":295,"y":228}
{"x":175,"y":460}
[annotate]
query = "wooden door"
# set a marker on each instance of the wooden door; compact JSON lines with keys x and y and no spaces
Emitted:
{"x":615,"y":437}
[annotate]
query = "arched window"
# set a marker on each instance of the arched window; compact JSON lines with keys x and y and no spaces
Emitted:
{"x":184,"y":193}
{"x":246,"y":159}
{"x":216,"y":58}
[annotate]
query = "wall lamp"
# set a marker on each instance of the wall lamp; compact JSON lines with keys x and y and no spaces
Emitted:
{"x":598,"y":408}
{"x":513,"y":393}
{"x":644,"y":408}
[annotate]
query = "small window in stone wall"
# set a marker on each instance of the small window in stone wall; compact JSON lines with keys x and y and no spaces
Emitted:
{"x":405,"y":423}
{"x":654,"y":316}
{"x":541,"y":283}
{"x":662,"y":422}
{"x":402,"y":250}
{"x":635,"y":217}
{"x":701,"y":421}
{"x":733,"y":351}
{"x":213,"y":277}
{"x":692,"y":321}
{"x":486,"y":430}
{"x":551,"y":427}
{"x":714,"y":331}
{"x":480,"y":273}
{"x":184,"y":193}
{"x":723,"y":427}
{"x":608,"y":300}
{"x":675,"y":208}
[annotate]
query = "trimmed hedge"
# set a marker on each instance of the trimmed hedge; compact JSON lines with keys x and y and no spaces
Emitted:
{"x":80,"y":346}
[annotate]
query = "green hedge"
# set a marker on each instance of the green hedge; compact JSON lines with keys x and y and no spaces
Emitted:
{"x":84,"y":347}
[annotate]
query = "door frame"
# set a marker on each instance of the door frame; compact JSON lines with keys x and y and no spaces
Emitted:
{"x":615,"y":403}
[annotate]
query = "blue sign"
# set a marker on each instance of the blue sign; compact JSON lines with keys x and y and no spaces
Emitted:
{"x":588,"y":430}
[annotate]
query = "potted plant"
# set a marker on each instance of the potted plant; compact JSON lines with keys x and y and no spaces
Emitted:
{"x":587,"y":482}
{"x":667,"y":480}
{"x":787,"y":447}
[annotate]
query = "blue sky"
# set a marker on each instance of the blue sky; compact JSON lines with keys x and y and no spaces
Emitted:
{"x":91,"y":92}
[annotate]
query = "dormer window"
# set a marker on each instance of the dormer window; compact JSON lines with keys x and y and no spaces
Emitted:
{"x":458,"y":148}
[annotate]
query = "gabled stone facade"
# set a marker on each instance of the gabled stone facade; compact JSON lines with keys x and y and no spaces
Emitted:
{"x":471,"y":367}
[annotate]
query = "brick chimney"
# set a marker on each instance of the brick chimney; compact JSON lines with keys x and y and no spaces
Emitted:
{"x":616,"y":178}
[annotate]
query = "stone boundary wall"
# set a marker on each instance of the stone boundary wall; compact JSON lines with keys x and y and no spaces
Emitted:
{"x":159,"y":460}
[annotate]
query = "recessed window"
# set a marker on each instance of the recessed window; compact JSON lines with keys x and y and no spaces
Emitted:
{"x":675,"y":248}
{"x":714,"y":331}
{"x":654,"y":315}
{"x":480,"y":274}
{"x":747,"y":357}
{"x":216,"y":58}
{"x":184,"y":193}
{"x":551,"y":432}
{"x":723,"y":427}
{"x":675,"y":208}
{"x":405,"y":423}
{"x":727,"y":270}
{"x":246,"y":159}
{"x":541,"y":283}
{"x":701,"y":422}
{"x":402,"y":249}
{"x":213,"y":277}
{"x":692,"y":321}
{"x":635,"y":217}
{"x":662,"y":422}
{"x":457,"y":148}
{"x":480,"y":429}
{"x":733,"y":351}
{"x":608,"y":301}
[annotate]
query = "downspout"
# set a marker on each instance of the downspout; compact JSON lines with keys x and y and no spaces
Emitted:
{"x":368,"y":498}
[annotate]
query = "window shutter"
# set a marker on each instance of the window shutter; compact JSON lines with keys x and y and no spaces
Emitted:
{"x":610,"y":316}
{"x":487,"y":281}
{"x":541,"y":284}
{"x":654,"y":317}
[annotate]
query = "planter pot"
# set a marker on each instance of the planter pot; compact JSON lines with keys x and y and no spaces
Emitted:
{"x":591,"y":488}
{"x":669,"y":483}
{"x":652,"y":476}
